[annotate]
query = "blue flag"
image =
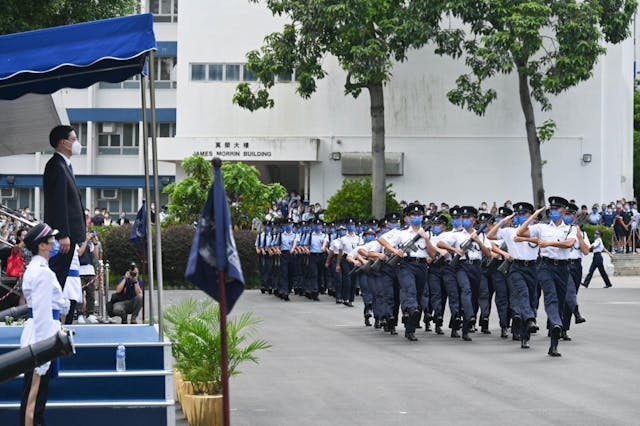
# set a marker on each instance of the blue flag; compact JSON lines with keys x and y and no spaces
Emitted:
{"x":214,"y":249}
{"x":139,"y":228}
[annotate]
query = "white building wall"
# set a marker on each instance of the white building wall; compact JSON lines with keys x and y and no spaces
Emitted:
{"x":451,"y":154}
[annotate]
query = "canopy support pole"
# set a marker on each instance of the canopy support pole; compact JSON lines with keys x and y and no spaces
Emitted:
{"x":147,"y":194}
{"x":156,"y":187}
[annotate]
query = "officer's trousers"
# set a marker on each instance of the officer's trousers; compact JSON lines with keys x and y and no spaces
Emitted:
{"x":412,"y":277}
{"x":571,"y":299}
{"x":436,"y":291}
{"x":553,"y":279}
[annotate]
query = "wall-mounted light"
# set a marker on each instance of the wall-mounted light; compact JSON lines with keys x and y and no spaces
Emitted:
{"x":336,"y":156}
{"x":11,"y":179}
{"x":586,"y":158}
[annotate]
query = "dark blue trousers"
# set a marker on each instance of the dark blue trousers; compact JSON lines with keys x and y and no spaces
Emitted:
{"x":553,"y":279}
{"x":520,"y":279}
{"x":316,"y":264}
{"x":437,"y":294}
{"x":468,"y":276}
{"x":485,"y":294}
{"x":571,"y":299}
{"x":499,"y":283}
{"x":412,"y":277}
{"x":285,"y":265}
{"x":365,"y":289}
{"x":348,"y":281}
{"x":451,"y":285}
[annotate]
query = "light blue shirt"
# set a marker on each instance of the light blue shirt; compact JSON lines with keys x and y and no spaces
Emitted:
{"x":287,"y":239}
{"x":316,"y":242}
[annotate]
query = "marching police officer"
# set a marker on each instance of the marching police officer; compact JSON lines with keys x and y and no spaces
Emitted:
{"x":597,"y":247}
{"x":555,"y":240}
{"x":576,"y":253}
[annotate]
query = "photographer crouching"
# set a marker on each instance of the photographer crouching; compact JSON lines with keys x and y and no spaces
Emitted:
{"x":128,"y":297}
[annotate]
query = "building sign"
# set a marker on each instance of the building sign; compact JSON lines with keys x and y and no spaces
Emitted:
{"x":239,"y":149}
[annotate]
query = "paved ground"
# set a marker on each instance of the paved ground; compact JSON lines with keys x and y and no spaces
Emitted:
{"x":326,"y":368}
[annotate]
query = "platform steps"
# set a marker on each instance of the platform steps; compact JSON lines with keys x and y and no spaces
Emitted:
{"x":90,"y":391}
{"x":626,"y":264}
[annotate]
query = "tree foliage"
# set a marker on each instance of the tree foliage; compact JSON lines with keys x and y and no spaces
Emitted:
{"x":26,"y":15}
{"x":365,"y":36}
{"x":353,"y":199}
{"x":248,"y":196}
{"x":552,"y":45}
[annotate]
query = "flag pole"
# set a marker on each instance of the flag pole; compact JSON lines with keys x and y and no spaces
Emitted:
{"x":224,"y":361}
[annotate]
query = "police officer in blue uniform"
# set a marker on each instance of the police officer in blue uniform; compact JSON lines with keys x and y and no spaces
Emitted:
{"x":555,"y":239}
{"x":288,"y":244}
{"x":436,"y":283}
{"x":262,"y":244}
{"x":316,"y":242}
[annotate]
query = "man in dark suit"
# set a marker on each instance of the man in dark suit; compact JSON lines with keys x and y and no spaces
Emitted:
{"x":62,"y":203}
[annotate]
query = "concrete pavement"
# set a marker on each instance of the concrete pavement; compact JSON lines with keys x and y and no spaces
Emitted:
{"x":326,"y":368}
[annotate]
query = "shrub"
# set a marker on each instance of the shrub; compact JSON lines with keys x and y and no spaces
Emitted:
{"x":605,"y":231}
{"x":353,"y":199}
{"x":176,"y":244}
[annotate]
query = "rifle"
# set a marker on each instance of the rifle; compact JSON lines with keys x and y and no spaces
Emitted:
{"x":466,"y":245}
{"x":409,"y":245}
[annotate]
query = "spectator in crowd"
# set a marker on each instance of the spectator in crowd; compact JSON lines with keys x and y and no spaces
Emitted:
{"x":97,"y":218}
{"x":163,"y":213}
{"x":107,"y":218}
{"x":608,"y":217}
{"x":153,"y":213}
{"x":87,"y":252}
{"x":130,"y":288}
{"x":583,"y":216}
{"x":308,"y":214}
{"x":595,"y":218}
{"x":295,"y":214}
{"x":26,"y":253}
{"x":122,"y":220}
{"x":627,"y":218}
{"x":87,"y":219}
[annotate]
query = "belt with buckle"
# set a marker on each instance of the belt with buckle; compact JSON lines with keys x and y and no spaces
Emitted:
{"x":524,"y":262}
{"x":555,"y":262}
{"x":415,"y":259}
{"x":575,"y":261}
{"x":473,"y":261}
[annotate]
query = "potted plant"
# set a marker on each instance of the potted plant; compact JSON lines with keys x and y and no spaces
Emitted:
{"x":194,"y":329}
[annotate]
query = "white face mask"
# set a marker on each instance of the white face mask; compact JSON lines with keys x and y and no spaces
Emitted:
{"x":76,"y":148}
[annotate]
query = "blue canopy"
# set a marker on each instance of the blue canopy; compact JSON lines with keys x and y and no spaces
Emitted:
{"x":77,"y":56}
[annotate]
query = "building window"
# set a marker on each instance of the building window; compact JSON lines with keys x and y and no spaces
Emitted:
{"x":117,"y":200}
{"x":198,"y":72}
{"x":229,"y":72}
{"x":165,"y":76}
{"x":163,"y":130}
{"x":17,"y":198}
{"x":118,"y":138}
{"x":81,"y":133}
{"x":164,"y":10}
{"x":247,"y":74}
{"x":216,"y":72}
{"x":232,"y":72}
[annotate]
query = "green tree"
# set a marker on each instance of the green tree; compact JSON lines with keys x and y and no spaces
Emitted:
{"x":552,"y":45}
{"x":248,"y":196}
{"x":354,"y":200}
{"x":365,"y":36}
{"x":25,"y":15}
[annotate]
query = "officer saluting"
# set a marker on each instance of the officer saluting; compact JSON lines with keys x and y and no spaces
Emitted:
{"x":555,"y":240}
{"x":43,"y":294}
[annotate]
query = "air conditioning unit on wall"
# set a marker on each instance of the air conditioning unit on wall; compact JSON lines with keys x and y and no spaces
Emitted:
{"x":359,"y":163}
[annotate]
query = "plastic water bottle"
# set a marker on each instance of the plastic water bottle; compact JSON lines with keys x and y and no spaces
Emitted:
{"x":121,"y":358}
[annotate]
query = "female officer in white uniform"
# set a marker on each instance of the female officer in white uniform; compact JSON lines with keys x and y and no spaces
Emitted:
{"x":44,"y":298}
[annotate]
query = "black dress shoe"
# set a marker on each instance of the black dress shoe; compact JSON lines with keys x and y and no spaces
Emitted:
{"x":524,"y":344}
{"x":347,"y":303}
{"x":580,"y":319}
{"x":439,"y":329}
{"x":263,"y":290}
{"x":338,"y":301}
{"x":411,"y":336}
{"x":466,"y":337}
{"x":392,"y":330}
{"x":504,"y":333}
{"x":270,"y":291}
{"x":415,"y":317}
{"x":367,"y":322}
{"x":427,"y":327}
{"x":607,"y":286}
{"x":516,"y":336}
{"x":285,"y":297}
{"x":556,"y":331}
{"x":376,"y":323}
{"x":564,"y":336}
{"x":531,"y":326}
{"x":553,"y":351}
{"x":455,"y":334}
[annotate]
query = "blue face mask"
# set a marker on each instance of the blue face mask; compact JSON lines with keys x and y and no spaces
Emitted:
{"x":288,"y":228}
{"x":394,"y":225}
{"x":375,"y":227}
{"x":455,"y":222}
{"x":267,"y":229}
{"x":368,"y":238}
{"x":351,"y":228}
{"x":55,"y":249}
{"x":436,"y":230}
{"x":554,"y":215}
{"x":416,"y":220}
{"x":466,"y":223}
{"x":342,"y":233}
{"x":567,"y":220}
{"x":317,"y":228}
{"x":332,"y":230}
